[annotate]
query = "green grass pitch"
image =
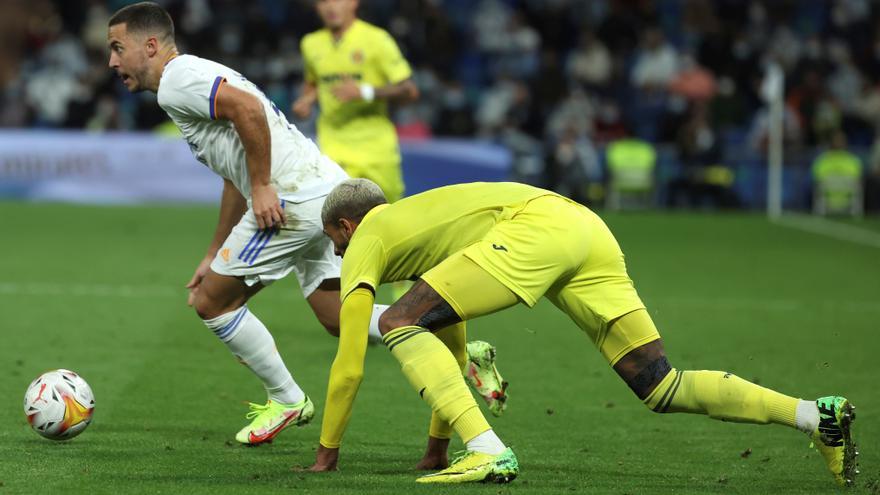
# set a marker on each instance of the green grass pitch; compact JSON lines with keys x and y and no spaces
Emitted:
{"x":100,"y":291}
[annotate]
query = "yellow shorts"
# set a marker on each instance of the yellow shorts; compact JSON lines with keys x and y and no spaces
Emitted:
{"x":388,"y":177}
{"x":554,"y":247}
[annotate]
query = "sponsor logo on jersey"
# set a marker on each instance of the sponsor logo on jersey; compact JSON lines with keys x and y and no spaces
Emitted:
{"x":332,"y":78}
{"x":357,"y":56}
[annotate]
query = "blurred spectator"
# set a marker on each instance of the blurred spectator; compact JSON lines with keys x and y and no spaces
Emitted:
{"x":655,"y":67}
{"x":698,"y":143}
{"x":817,"y":113}
{"x":759,"y":133}
{"x":693,"y":82}
{"x":519,"y":55}
{"x":573,"y":114}
{"x":506,"y":102}
{"x":656,"y":62}
{"x":574,"y":165}
{"x":837,"y":179}
{"x":590,"y":63}
{"x":704,"y":180}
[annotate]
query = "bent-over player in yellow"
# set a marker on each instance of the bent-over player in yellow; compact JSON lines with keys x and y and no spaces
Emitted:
{"x":353,"y":69}
{"x":479,"y":248}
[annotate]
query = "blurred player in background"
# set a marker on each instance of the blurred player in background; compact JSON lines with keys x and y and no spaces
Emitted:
{"x":483,"y":247}
{"x":354,"y":70}
{"x":275,"y":182}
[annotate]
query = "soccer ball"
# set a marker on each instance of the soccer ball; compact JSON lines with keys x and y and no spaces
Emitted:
{"x":59,"y":404}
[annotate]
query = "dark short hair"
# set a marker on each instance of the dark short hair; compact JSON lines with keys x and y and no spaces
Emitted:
{"x":145,"y":17}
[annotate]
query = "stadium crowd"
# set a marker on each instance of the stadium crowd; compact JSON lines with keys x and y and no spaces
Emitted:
{"x":553,"y":80}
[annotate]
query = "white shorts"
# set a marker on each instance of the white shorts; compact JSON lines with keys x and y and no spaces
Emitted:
{"x":266,"y":256}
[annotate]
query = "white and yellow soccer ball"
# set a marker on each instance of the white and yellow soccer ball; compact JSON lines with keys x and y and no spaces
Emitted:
{"x":59,"y":404}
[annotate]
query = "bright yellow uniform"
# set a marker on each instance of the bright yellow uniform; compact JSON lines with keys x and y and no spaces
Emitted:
{"x":357,"y":134}
{"x":532,"y":241}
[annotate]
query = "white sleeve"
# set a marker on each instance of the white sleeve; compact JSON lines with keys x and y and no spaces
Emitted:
{"x":189,"y":92}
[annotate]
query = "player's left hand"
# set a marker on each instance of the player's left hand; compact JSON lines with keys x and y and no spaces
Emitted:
{"x":267,"y":207}
{"x":325,"y":459}
{"x":347,"y":90}
{"x":198,"y":276}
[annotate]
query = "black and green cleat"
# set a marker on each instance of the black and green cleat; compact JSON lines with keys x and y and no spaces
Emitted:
{"x":833,"y":438}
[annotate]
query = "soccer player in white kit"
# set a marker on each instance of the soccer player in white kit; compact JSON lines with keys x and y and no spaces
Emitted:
{"x":275,"y":182}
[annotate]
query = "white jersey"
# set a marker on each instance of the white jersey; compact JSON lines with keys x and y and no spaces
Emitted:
{"x":187,"y":92}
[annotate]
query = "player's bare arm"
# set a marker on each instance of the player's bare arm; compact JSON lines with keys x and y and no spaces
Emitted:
{"x":246,"y":113}
{"x":232,"y":207}
{"x":302,"y":107}
{"x":402,"y":92}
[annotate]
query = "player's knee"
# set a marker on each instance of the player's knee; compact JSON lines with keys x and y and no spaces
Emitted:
{"x":389,"y":320}
{"x":208,"y":308}
{"x":203,"y":307}
{"x":330,"y":324}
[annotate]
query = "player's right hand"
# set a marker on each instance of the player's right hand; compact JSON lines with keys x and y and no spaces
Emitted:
{"x":196,"y":280}
{"x":267,"y":207}
{"x":302,"y":108}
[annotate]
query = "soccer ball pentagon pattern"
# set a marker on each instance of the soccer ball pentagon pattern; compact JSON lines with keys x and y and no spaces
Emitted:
{"x":59,"y":404}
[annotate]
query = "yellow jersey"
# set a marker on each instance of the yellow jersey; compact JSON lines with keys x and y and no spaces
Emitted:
{"x":402,"y":241}
{"x":355,"y":133}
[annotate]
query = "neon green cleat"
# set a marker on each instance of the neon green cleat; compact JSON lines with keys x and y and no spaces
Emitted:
{"x":476,"y":466}
{"x":271,"y":418}
{"x":832,"y":438}
{"x":484,"y":377}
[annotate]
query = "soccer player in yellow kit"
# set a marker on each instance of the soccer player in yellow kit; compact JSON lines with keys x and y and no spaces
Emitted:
{"x":479,"y":248}
{"x":354,"y":69}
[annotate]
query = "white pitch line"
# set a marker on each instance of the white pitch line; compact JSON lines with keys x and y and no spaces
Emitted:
{"x":829,"y":228}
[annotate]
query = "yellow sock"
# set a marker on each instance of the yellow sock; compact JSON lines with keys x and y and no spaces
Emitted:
{"x":435,"y":374}
{"x":722,"y":396}
{"x":455,"y":339}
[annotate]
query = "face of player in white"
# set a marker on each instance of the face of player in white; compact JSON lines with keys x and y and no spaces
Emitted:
{"x":337,"y":14}
{"x":133,"y":57}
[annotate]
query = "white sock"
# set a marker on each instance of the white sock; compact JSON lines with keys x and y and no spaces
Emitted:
{"x":378,"y":309}
{"x":806,"y":418}
{"x":487,"y":443}
{"x":253,"y":345}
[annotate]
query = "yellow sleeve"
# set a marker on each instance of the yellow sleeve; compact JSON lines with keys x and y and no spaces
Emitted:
{"x":392,"y":65}
{"x":348,"y":367}
{"x":364,"y":263}
{"x":310,"y":75}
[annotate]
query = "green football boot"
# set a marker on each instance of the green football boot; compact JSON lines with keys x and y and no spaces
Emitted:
{"x":484,"y":376}
{"x":833,"y":438}
{"x":270,"y":419}
{"x":477,"y":467}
